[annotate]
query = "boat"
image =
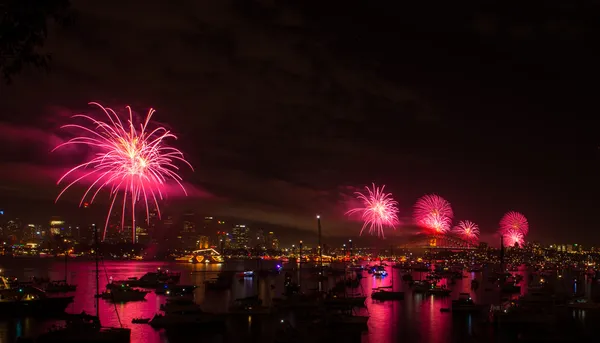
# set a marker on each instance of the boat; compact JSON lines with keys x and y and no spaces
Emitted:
{"x":464,"y":303}
{"x":246,"y":274}
{"x":60,"y":286}
{"x":184,"y":320}
{"x":175,"y":290}
{"x":439,"y":291}
{"x":180,"y":305}
{"x":222,"y":282}
{"x":85,"y":328}
{"x":510,"y":288}
{"x":140,"y":320}
{"x":249,"y":306}
{"x":421,"y":286}
{"x":152,"y":279}
{"x":123,"y":294}
{"x":356,"y":301}
{"x":582,"y":304}
{"x":382,"y":295}
{"x":30,"y":301}
{"x":27,"y":300}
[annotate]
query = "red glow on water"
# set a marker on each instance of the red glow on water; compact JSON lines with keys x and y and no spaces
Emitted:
{"x":131,"y":160}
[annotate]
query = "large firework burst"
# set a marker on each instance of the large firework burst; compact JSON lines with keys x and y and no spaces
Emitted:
{"x":380,"y":210}
{"x":130,"y":159}
{"x":514,"y":221}
{"x":434,"y":213}
{"x":467,"y":230}
{"x":512,"y":237}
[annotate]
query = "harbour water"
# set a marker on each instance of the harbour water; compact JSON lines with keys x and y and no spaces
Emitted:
{"x":417,"y":318}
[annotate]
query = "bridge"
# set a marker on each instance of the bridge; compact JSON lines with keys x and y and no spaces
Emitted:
{"x":439,"y":241}
{"x":208,"y":255}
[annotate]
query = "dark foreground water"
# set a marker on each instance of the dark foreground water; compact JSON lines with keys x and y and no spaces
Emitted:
{"x":415,"y":319}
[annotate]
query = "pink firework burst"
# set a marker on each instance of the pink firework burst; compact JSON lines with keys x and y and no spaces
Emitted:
{"x":513,"y":236}
{"x":434,"y":213}
{"x":130,"y":160}
{"x":380,"y":210}
{"x":467,"y":230}
{"x":514,"y":221}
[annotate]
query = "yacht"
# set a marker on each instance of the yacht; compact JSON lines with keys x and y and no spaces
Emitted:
{"x":31,"y":301}
{"x":152,"y":279}
{"x":180,"y":305}
{"x":85,"y":328}
{"x":464,"y":303}
{"x":123,"y":294}
{"x":60,"y":286}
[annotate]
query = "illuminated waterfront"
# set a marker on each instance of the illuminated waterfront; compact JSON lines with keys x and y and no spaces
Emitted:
{"x":415,"y":319}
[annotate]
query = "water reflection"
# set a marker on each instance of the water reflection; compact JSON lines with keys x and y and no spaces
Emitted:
{"x":415,"y":319}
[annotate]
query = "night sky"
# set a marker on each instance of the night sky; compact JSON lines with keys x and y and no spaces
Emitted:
{"x":285,"y":107}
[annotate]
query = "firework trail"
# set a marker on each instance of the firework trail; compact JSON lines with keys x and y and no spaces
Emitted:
{"x":379,"y":211}
{"x":514,"y":221}
{"x":132,"y":161}
{"x":467,"y":230}
{"x":434,"y":213}
{"x":513,"y":236}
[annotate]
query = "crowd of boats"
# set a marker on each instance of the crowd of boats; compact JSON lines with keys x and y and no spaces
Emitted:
{"x":329,"y":310}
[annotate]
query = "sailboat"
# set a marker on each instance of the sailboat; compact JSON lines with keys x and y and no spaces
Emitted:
{"x":382,"y":294}
{"x":85,"y":328}
{"x":61,"y":286}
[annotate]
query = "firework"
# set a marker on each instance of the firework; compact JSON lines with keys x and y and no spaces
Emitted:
{"x":434,"y":213}
{"x":379,"y":211}
{"x":512,"y":237}
{"x":131,"y":161}
{"x":467,"y":230}
{"x":514,"y":221}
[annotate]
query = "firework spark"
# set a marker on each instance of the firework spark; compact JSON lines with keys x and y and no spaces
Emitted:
{"x":512,"y":237}
{"x":380,"y":210}
{"x":130,"y":160}
{"x":514,"y":221}
{"x":467,"y":230}
{"x":434,"y":213}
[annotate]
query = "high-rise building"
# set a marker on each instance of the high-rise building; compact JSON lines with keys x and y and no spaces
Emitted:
{"x":141,"y":235}
{"x":260,"y":242}
{"x":188,"y":234}
{"x":271,"y":241}
{"x":241,"y":237}
{"x":57,"y":226}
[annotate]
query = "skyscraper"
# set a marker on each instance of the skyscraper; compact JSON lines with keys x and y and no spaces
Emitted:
{"x":241,"y":236}
{"x":189,"y":236}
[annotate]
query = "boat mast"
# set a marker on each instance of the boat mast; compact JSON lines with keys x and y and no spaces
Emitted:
{"x":320,"y":246}
{"x":96,"y":246}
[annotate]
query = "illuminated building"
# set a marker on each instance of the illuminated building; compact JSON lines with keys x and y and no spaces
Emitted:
{"x":272,"y":242}
{"x":141,"y":235}
{"x":260,"y":241}
{"x":241,"y":236}
{"x":57,"y":226}
{"x":203,"y":242}
{"x":223,"y":240}
{"x":188,"y":234}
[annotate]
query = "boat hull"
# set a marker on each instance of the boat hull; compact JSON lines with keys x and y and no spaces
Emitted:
{"x":39,"y":307}
{"x":108,"y":335}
